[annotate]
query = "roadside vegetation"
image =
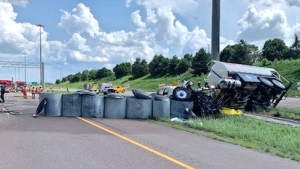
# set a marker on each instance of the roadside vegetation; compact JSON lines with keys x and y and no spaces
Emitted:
{"x":256,"y":134}
{"x":288,"y":113}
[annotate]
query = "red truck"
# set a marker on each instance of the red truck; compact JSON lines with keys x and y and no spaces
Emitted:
{"x":18,"y":85}
{"x":7,"y":84}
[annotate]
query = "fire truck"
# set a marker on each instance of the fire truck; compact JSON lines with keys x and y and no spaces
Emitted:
{"x":7,"y":84}
{"x":18,"y":85}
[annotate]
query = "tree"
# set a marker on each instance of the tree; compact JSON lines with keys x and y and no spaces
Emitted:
{"x":188,"y":57}
{"x":75,"y":78}
{"x":296,"y":44}
{"x":85,"y":75}
{"x":64,"y":79}
{"x":274,"y":49}
{"x":242,"y":53}
{"x":226,"y":53}
{"x":174,"y":62}
{"x":200,"y":61}
{"x":122,"y":69}
{"x":57,"y":81}
{"x":93,"y":75}
{"x":294,"y":51}
{"x":159,"y":66}
{"x":104,"y":72}
{"x":183,"y":66}
{"x":139,"y":68}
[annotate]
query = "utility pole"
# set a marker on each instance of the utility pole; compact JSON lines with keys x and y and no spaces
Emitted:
{"x":215,"y":30}
{"x":25,"y":64}
{"x":42,"y":82}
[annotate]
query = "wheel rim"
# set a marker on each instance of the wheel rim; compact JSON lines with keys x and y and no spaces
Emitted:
{"x":181,"y":94}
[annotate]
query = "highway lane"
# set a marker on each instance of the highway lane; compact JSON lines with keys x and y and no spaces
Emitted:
{"x":62,"y":142}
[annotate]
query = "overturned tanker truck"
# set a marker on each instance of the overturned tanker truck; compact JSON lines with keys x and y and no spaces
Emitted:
{"x":236,"y":86}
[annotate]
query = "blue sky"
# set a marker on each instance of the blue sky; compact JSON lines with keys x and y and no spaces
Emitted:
{"x":91,"y":34}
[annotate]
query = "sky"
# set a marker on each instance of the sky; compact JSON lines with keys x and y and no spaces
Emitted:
{"x":83,"y":35}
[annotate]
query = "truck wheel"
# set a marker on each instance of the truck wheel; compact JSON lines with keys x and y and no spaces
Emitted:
{"x":181,"y":94}
{"x":123,"y":91}
{"x":40,"y":107}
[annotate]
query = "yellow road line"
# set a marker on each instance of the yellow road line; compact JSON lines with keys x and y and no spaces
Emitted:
{"x":138,"y":144}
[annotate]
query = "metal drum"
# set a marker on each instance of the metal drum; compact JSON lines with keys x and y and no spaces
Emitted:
{"x":71,"y":105}
{"x":138,"y":108}
{"x":53,"y":105}
{"x":161,"y":108}
{"x":114,"y":107}
{"x":92,"y":106}
{"x":178,"y":108}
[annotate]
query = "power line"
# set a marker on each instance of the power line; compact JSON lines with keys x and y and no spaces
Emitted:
{"x":12,"y":64}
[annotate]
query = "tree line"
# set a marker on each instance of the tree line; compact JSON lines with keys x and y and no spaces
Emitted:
{"x":241,"y":53}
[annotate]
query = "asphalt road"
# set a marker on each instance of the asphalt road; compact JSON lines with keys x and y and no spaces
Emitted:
{"x":62,"y":142}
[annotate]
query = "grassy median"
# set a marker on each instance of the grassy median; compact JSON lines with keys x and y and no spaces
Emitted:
{"x":281,"y":140}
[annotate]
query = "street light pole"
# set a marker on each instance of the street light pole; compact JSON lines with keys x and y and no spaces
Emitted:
{"x":25,"y":64}
{"x":215,"y":30}
{"x":41,"y":71}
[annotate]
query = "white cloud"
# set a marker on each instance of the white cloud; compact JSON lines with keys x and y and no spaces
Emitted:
{"x":293,"y":2}
{"x":15,"y":37}
{"x":263,"y":24}
{"x":137,"y":20}
{"x":276,"y":3}
{"x":162,"y":27}
{"x":21,"y":3}
{"x":80,"y":20}
{"x":127,"y":3}
{"x":78,"y":43}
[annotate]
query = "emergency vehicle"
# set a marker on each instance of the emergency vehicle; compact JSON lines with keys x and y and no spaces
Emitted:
{"x":18,"y":85}
{"x":7,"y":84}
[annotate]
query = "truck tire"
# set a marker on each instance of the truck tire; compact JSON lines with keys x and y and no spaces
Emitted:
{"x":182,"y":94}
{"x":40,"y":107}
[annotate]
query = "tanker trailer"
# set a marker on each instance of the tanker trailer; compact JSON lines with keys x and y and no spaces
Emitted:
{"x":246,"y":87}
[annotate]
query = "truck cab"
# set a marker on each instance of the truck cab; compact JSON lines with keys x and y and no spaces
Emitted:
{"x":18,"y":85}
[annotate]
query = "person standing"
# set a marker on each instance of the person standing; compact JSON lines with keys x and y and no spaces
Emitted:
{"x":24,"y":92}
{"x":33,"y":93}
{"x":2,"y":93}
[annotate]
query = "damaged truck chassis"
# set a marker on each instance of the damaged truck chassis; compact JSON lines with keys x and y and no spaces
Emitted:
{"x":234,"y":86}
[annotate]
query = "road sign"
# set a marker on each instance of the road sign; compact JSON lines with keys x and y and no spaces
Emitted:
{"x":298,"y":85}
{"x":34,"y":83}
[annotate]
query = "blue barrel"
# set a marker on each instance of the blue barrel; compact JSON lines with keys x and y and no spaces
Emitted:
{"x":71,"y":105}
{"x":178,"y":108}
{"x":161,"y":108}
{"x":92,"y":106}
{"x":138,"y":108}
{"x":53,"y":106}
{"x":114,"y":107}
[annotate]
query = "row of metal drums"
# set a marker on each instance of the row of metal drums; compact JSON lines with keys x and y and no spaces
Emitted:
{"x":95,"y":106}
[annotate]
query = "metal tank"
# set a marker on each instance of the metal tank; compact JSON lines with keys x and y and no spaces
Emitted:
{"x":92,"y":106}
{"x":53,"y":105}
{"x":71,"y":105}
{"x":114,"y":106}
{"x":161,"y":108}
{"x":138,"y":108}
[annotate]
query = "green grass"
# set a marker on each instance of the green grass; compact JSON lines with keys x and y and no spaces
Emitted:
{"x":251,"y":133}
{"x":288,"y":113}
{"x":146,"y":83}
